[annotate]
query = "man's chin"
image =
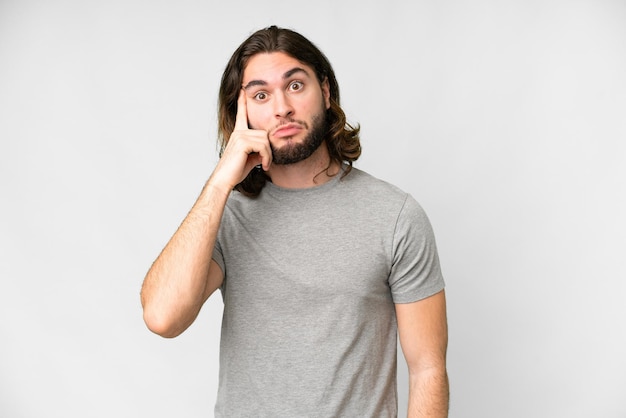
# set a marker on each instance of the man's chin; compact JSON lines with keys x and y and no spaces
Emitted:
{"x":292,"y":153}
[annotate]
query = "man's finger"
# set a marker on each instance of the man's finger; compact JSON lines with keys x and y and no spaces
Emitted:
{"x":241,"y":120}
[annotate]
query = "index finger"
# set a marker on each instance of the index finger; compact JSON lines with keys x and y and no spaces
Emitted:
{"x":241,"y":119}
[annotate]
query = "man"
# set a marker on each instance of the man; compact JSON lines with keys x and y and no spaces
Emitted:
{"x":319,"y":264}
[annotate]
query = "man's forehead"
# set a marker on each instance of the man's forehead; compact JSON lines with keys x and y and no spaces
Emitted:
{"x":273,"y":66}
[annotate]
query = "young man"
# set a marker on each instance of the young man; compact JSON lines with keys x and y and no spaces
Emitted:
{"x":319,"y":264}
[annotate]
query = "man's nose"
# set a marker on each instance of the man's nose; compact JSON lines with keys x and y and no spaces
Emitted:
{"x":282,"y":106}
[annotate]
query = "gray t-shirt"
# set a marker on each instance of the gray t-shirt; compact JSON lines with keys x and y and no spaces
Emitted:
{"x":310,"y":281}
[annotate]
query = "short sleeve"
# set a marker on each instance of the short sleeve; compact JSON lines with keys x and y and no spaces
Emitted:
{"x":415,"y":271}
{"x":218,"y":257}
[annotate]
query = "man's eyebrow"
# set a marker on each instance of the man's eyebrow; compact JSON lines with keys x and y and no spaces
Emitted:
{"x":253,"y":83}
{"x":288,"y":74}
{"x":294,"y":71}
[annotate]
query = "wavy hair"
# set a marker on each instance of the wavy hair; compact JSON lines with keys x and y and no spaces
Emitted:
{"x":342,"y":139}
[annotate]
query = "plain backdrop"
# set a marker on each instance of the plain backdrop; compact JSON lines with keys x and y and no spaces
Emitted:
{"x":504,"y":119}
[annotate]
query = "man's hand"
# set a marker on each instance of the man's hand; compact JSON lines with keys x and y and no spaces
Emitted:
{"x":246,"y":149}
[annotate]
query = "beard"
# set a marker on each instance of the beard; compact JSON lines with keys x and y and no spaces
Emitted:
{"x":292,"y":153}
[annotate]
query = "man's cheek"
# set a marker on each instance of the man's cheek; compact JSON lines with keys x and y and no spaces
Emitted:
{"x":255,"y":123}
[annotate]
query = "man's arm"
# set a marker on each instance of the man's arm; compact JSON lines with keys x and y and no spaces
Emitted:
{"x":423,"y":331}
{"x":184,"y":275}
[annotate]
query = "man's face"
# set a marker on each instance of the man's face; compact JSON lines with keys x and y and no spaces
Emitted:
{"x":284,"y":98}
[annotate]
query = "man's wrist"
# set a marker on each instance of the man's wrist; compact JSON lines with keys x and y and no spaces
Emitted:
{"x":215,"y":186}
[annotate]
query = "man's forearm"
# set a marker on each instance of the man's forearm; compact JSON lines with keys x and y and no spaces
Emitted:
{"x":175,"y":286}
{"x":428,"y":394}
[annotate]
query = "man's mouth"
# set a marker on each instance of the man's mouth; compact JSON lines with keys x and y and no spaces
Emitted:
{"x":288,"y":130}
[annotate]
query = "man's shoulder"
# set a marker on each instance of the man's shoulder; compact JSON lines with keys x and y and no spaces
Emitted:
{"x":368,"y":183}
{"x":380,"y":195}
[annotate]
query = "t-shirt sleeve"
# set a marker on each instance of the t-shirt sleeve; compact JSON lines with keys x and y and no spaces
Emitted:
{"x":415,"y":271}
{"x":218,"y":257}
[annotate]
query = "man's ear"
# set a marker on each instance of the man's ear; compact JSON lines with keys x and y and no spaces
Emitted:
{"x":326,"y":92}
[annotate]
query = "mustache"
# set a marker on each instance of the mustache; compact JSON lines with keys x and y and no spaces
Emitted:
{"x":287,"y":121}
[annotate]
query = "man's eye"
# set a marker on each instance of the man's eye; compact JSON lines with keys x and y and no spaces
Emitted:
{"x":296,"y":85}
{"x":260,"y":96}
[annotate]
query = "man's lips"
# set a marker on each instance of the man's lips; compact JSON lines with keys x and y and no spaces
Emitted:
{"x":290,"y":129}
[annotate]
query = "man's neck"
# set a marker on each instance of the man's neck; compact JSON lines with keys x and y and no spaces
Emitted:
{"x":314,"y":171}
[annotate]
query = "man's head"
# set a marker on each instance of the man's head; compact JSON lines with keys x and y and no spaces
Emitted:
{"x":342,"y":140}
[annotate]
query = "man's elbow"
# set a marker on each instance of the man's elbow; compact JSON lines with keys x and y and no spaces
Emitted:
{"x":161,"y":324}
{"x":428,"y":364}
{"x":434,"y":372}
{"x":429,"y":369}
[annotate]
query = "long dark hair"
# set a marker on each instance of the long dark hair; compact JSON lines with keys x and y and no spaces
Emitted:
{"x":342,"y":139}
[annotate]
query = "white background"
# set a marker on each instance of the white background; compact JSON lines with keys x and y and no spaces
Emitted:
{"x":505,"y":119}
